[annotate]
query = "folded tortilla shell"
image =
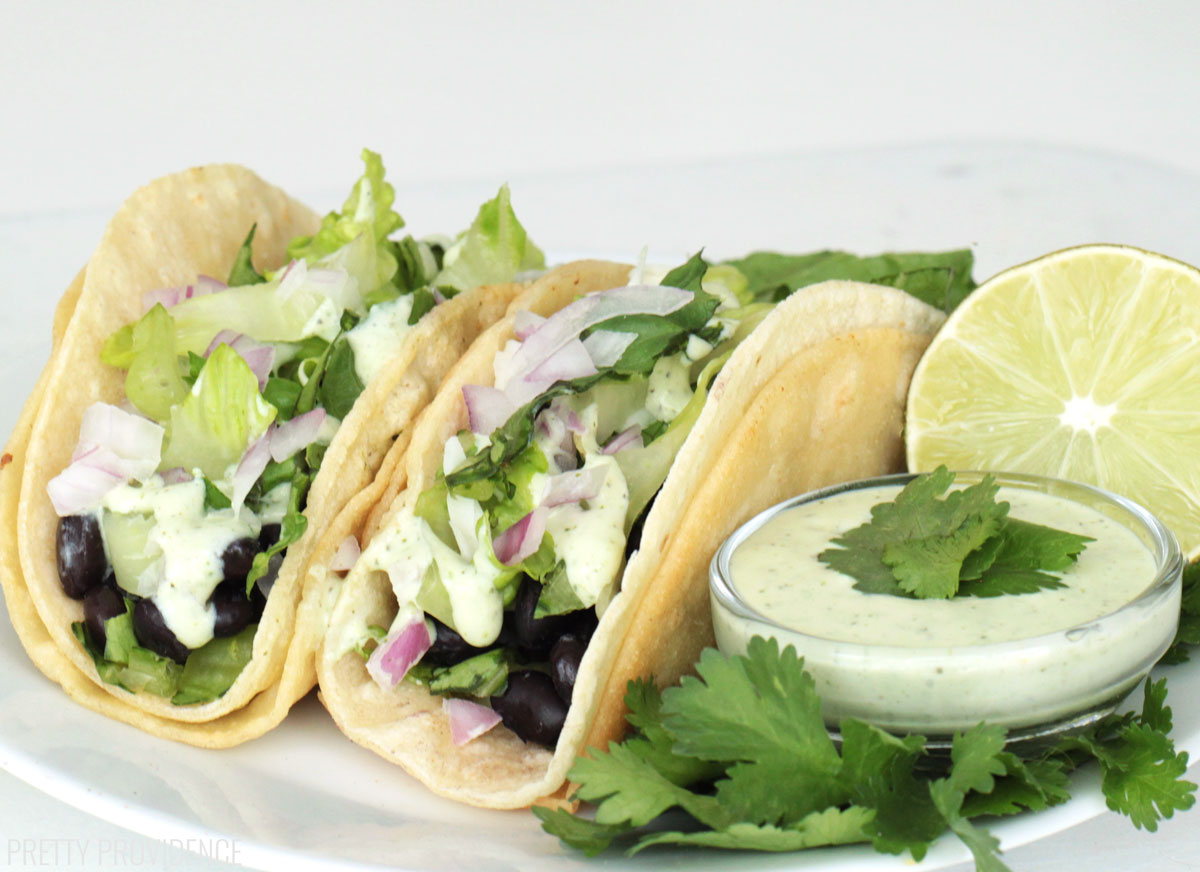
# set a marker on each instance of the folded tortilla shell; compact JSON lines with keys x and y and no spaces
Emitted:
{"x":814,"y":396}
{"x":168,"y":232}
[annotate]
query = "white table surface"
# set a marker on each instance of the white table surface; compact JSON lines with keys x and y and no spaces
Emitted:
{"x":98,"y":98}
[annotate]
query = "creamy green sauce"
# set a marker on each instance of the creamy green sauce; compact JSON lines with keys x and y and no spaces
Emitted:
{"x":376,"y":339}
{"x":777,"y":573}
{"x":942,"y":665}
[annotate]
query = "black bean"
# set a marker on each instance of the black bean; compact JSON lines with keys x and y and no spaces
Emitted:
{"x":536,"y":636}
{"x":448,"y":647}
{"x":81,"y":560}
{"x":584,"y":623}
{"x":531,"y":708}
{"x":267,"y":579}
{"x":564,"y":664}
{"x":234,"y":609}
{"x":153,"y":633}
{"x":268,"y":536}
{"x":100,"y":604}
{"x":237,"y":558}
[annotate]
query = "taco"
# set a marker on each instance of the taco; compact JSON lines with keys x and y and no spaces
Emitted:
{"x":187,"y":445}
{"x":549,"y":535}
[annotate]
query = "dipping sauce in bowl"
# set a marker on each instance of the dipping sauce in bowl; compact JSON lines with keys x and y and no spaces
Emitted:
{"x":1032,"y":662}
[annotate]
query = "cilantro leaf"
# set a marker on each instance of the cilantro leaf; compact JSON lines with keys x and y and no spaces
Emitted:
{"x":628,"y":790}
{"x":655,"y":744}
{"x":761,"y":710}
{"x":928,"y":547}
{"x":577,"y":832}
{"x":833,"y":826}
{"x":243,"y":271}
{"x":976,"y":759}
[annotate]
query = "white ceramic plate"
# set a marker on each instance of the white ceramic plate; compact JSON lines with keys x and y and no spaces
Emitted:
{"x":303,"y":797}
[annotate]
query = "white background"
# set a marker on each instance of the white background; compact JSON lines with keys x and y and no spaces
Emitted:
{"x":98,"y":98}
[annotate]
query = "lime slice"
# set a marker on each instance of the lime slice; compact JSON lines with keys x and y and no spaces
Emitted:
{"x":1083,"y":364}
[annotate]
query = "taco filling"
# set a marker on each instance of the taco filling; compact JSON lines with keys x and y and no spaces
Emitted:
{"x":178,"y":506}
{"x":502,"y":568}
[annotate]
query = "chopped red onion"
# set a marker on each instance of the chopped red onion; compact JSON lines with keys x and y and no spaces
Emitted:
{"x":487,"y":408}
{"x":563,"y":409}
{"x":207,"y":285}
{"x":292,"y":278}
{"x":254,"y":461}
{"x":135,"y":441}
{"x":571,"y":361}
{"x":607,"y":346}
{"x":521,"y":539}
{"x":624,"y":439}
{"x":224,"y":337}
{"x":569,"y":322}
{"x":176,"y":475}
{"x":170,"y":297}
{"x":571,"y":487}
{"x":258,"y":356}
{"x":525,"y":322}
{"x":346,"y":555}
{"x":398,"y":653}
{"x":468,"y":720}
{"x":81,"y":486}
{"x":438,"y":297}
{"x":294,"y":435}
{"x":550,"y":423}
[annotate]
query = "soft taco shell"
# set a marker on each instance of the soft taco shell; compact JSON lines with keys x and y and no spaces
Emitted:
{"x":814,"y":396}
{"x":168,"y":232}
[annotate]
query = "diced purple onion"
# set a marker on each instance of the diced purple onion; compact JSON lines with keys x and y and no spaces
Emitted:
{"x":569,"y":362}
{"x":569,"y":322}
{"x":81,"y":486}
{"x":525,"y":322}
{"x":294,"y":435}
{"x":395,"y":655}
{"x":134,"y":439}
{"x":627,"y":437}
{"x":487,"y":408}
{"x":571,"y":487}
{"x":438,"y":297}
{"x":521,"y":539}
{"x":292,"y":278}
{"x":607,"y":346}
{"x":224,"y":337}
{"x":253,"y":462}
{"x":176,"y":475}
{"x":258,"y":356}
{"x":468,"y":720}
{"x":346,"y":555}
{"x":170,"y":297}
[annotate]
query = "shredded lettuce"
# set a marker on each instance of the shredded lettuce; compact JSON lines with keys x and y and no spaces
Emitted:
{"x":355,"y":239}
{"x":219,"y":419}
{"x":494,"y":249}
{"x":212,"y":669}
{"x":146,"y":348}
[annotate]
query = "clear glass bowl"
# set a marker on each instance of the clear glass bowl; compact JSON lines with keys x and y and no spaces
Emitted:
{"x":1034,"y":686}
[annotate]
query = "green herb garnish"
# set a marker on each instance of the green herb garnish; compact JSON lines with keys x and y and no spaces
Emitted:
{"x":925,"y":546}
{"x":743,"y":751}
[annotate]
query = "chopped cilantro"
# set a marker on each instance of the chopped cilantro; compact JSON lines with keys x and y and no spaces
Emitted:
{"x":921,"y":545}
{"x":742,"y":749}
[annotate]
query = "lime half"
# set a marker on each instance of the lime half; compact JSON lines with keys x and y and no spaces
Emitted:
{"x":1083,"y":364}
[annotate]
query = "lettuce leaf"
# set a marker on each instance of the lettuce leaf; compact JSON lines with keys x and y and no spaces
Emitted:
{"x":146,"y":348}
{"x":494,"y":249}
{"x":355,"y":239}
{"x":219,"y":419}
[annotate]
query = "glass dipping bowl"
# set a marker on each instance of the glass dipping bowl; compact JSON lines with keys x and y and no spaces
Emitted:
{"x":1036,"y":686}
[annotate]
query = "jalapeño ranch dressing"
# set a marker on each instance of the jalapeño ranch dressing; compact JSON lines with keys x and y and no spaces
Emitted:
{"x":938,"y":665}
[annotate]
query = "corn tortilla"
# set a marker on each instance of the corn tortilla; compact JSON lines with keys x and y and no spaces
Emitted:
{"x":814,"y":396}
{"x":166,"y":234}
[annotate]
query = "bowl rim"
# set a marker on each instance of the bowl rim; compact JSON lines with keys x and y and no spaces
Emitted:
{"x":1163,"y":546}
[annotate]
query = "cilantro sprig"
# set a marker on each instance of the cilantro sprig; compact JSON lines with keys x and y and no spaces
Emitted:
{"x":742,"y":751}
{"x":925,"y":546}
